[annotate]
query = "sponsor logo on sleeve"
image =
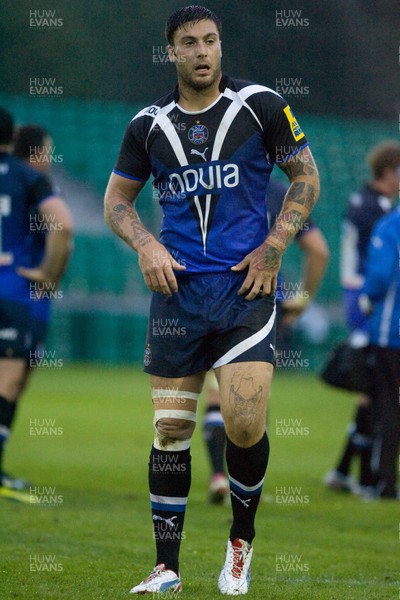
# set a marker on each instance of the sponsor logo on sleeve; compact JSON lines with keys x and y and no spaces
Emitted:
{"x":294,"y":126}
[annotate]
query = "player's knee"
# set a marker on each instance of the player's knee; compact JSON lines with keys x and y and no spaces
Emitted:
{"x":177,"y":429}
{"x":244,"y":436}
{"x":173,"y":434}
{"x":12,"y":378}
{"x":174,"y":426}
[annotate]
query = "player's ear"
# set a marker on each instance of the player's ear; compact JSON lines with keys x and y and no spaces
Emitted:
{"x":171,"y":53}
{"x":220,"y":43}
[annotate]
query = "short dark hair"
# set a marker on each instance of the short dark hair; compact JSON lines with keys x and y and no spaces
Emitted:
{"x":189,"y":14}
{"x":385,"y":155}
{"x":6,"y":126}
{"x":28,"y":137}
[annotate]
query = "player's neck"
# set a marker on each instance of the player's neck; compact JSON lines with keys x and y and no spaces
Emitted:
{"x":6,"y":148}
{"x":194,"y":100}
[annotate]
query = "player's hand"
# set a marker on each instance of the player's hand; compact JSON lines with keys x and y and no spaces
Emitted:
{"x":157,"y":266}
{"x":263,"y":264}
{"x":292,"y":309}
{"x":38,"y":275}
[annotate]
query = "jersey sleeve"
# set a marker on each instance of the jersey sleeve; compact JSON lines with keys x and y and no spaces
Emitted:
{"x":283,"y":135}
{"x":133,"y":160}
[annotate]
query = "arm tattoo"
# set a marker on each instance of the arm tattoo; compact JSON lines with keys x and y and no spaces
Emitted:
{"x":245,"y":400}
{"x":295,"y":168}
{"x":138,"y":235}
{"x":302,"y":193}
{"x":299,"y":200}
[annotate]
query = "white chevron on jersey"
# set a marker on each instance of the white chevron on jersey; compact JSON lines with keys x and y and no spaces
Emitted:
{"x":164,"y":123}
{"x":224,"y":126}
{"x":203,"y":219}
{"x":245,"y":93}
{"x":162,"y":120}
{"x":226,"y":122}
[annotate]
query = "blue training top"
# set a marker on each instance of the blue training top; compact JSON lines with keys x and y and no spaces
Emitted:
{"x":382,"y":281}
{"x":22,"y":190}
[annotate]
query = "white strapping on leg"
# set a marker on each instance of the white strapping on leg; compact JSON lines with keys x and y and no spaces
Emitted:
{"x":187,"y":415}
{"x":172,"y":393}
{"x":172,"y":446}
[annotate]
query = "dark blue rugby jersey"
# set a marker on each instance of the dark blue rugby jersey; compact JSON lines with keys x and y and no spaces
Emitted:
{"x":365,"y":207}
{"x":211,"y":169}
{"x":40,"y":309}
{"x":21,"y":190}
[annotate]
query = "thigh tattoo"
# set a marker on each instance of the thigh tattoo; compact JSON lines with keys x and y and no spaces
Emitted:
{"x":245,"y":399}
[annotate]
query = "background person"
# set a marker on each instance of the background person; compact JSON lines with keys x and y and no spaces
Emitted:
{"x":33,"y":144}
{"x":22,"y":190}
{"x":365,"y":207}
{"x":380,"y":298}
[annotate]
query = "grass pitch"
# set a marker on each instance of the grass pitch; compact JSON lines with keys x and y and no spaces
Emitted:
{"x":83,"y":436}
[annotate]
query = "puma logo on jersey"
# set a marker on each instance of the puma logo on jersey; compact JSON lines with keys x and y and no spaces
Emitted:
{"x":202,"y":154}
{"x":213,"y":177}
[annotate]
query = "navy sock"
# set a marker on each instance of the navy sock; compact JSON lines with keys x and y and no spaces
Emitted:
{"x":349,"y":452}
{"x":169,"y":483}
{"x":214,"y":437}
{"x":7,"y":414}
{"x":359,"y":442}
{"x":246,"y":468}
{"x":363,"y":420}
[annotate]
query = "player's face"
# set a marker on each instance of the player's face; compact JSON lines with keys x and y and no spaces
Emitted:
{"x":197,"y":54}
{"x":392,"y":180}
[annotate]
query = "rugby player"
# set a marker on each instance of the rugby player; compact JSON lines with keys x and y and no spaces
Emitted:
{"x":33,"y":144}
{"x":210,"y":146}
{"x":22,"y":190}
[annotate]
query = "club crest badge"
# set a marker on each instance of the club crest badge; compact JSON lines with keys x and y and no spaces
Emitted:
{"x":198,"y":134}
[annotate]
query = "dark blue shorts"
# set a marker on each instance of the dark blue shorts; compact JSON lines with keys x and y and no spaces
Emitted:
{"x":206,"y":324}
{"x":15,"y":329}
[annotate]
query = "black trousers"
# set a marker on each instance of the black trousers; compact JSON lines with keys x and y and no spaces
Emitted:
{"x":386,"y":419}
